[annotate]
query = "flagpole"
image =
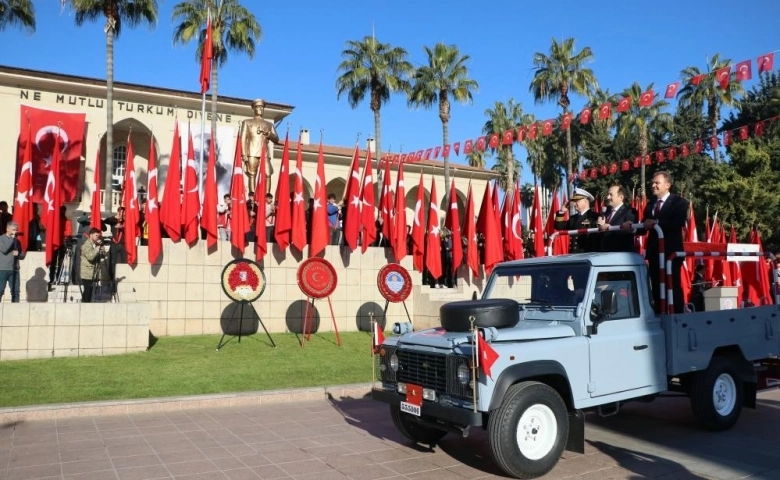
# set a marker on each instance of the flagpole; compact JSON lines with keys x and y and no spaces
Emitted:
{"x":203,"y":124}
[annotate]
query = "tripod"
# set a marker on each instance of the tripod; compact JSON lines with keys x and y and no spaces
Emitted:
{"x":101,"y":279}
{"x":65,"y":268}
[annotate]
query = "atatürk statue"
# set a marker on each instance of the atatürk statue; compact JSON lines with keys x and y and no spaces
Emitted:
{"x":256,"y":132}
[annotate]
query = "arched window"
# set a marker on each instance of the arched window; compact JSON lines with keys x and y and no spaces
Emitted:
{"x":120,"y":160}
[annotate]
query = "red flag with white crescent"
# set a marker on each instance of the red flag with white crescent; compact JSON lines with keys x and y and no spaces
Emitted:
{"x":367,"y":205}
{"x":154,"y":237}
{"x":94,"y":218}
{"x":170,"y":210}
{"x":259,"y":205}
{"x":320,"y":231}
{"x":418,"y":228}
{"x":472,"y":255}
{"x":23,"y":207}
{"x":351,"y":207}
{"x":205,"y":59}
{"x":132,"y":212}
{"x":399,"y":227}
{"x":208,"y":217}
{"x":283,"y":222}
{"x":452,"y":222}
{"x":191,"y":205}
{"x":239,"y":217}
{"x":298,"y":225}
{"x":433,"y":237}
{"x":52,"y":201}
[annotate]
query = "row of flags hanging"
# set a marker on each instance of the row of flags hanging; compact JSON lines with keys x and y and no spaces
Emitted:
{"x":742,"y":71}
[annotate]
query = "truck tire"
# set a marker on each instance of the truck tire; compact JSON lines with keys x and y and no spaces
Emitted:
{"x":528,"y":432}
{"x":716,"y":395}
{"x":497,"y":312}
{"x":414,"y":431}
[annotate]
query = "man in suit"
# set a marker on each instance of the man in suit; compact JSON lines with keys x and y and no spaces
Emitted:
{"x":670,"y":212}
{"x":584,"y":218}
{"x":618,"y":214}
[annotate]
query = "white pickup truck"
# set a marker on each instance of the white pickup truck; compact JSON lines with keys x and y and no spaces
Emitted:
{"x":570,"y":333}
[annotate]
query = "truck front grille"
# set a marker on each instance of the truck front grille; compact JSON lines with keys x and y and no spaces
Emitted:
{"x":430,"y":370}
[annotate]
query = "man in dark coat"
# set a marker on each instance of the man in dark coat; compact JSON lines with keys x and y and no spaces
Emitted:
{"x":670,"y":212}
{"x":584,"y":218}
{"x":617,"y":214}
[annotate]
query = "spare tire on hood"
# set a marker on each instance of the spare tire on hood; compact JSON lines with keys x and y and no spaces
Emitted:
{"x":497,"y":312}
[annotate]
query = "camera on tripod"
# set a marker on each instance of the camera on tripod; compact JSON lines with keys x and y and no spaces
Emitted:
{"x":71,"y":241}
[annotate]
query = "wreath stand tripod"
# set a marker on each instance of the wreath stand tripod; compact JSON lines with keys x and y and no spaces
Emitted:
{"x":387,"y":303}
{"x":241,"y":325}
{"x":308,"y":320}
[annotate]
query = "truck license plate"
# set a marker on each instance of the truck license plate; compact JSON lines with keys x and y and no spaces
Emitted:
{"x":410,"y":409}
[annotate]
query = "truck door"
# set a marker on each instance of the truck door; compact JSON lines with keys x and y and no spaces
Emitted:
{"x":625,"y":352}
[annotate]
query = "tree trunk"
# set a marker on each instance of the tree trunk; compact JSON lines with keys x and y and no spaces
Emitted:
{"x":643,"y":152}
{"x":445,"y":132}
{"x":714,"y":119}
{"x":510,"y":177}
{"x":569,"y":159}
{"x":377,"y":147}
{"x":109,"y":174}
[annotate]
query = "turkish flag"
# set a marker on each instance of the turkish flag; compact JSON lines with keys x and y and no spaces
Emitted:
{"x":648,"y":161}
{"x":239,"y":217}
{"x":766,"y":62}
{"x":672,"y":153}
{"x":698,"y":145}
{"x":419,"y":155}
{"x":481,"y":144}
{"x":170,"y":211}
{"x":515,"y":233}
{"x":368,"y":205}
{"x":743,"y":71}
{"x":722,"y":75}
{"x":487,"y":356}
{"x":533,"y":131}
{"x":613,"y":168}
{"x":399,"y":228}
{"x":456,"y":146}
{"x":208,"y":217}
{"x":493,"y":251}
{"x":191,"y":205}
{"x":298,"y":224}
{"x":259,"y":189}
{"x":320,"y":232}
{"x":671,"y":89}
{"x":386,"y":208}
{"x":549,"y":227}
{"x":283,"y":221}
{"x":624,"y":166}
{"x":755,"y":275}
{"x":427,"y":155}
{"x":205,"y":59}
{"x":624,"y":104}
{"x":132,"y":212}
{"x":452,"y":222}
{"x":659,"y":156}
{"x":94,"y":218}
{"x":522,"y":133}
{"x":418,"y":230}
{"x":696,"y":80}
{"x":686,"y":150}
{"x":152,"y":214}
{"x":508,"y":137}
{"x":52,"y":199}
{"x":472,"y":254}
{"x":759,"y":128}
{"x":351,"y":207}
{"x":727,"y":138}
{"x":566,"y":121}
{"x":585,"y":116}
{"x":493,"y":142}
{"x":605,"y":110}
{"x":547,"y":127}
{"x":496,"y":207}
{"x":377,"y":337}
{"x":468,"y":147}
{"x":713,"y":142}
{"x":23,"y":207}
{"x":445,"y":151}
{"x":436,"y":151}
{"x":45,"y":125}
{"x":743,"y":132}
{"x":646,"y":99}
{"x":433,"y":238}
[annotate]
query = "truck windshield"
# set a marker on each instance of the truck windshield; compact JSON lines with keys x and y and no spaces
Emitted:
{"x":554,"y":285}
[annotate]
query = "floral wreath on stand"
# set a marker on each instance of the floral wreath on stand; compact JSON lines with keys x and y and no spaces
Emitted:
{"x":243,"y":281}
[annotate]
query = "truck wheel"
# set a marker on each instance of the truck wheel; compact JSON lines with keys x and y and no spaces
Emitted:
{"x":528,"y":431}
{"x":414,"y":431}
{"x":716,"y":395}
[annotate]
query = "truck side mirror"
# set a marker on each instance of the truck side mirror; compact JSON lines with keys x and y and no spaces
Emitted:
{"x":608,"y":302}
{"x":474,"y":295}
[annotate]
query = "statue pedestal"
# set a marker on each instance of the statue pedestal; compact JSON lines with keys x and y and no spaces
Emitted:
{"x":720,"y":298}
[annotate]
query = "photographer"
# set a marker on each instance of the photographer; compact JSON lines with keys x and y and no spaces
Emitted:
{"x":10,"y":254}
{"x":91,"y":252}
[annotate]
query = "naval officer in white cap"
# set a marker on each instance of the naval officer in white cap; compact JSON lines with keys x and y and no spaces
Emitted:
{"x":584,"y":218}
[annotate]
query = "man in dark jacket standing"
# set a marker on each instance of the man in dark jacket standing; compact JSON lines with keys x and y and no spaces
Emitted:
{"x":617,"y":214}
{"x":670,"y":212}
{"x":584,"y":218}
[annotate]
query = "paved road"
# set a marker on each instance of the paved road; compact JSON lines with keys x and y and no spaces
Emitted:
{"x":354,"y":438}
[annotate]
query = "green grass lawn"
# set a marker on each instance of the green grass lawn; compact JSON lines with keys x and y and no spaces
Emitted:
{"x":176,"y":366}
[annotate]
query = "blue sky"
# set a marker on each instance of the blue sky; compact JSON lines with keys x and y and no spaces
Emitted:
{"x":296,"y":59}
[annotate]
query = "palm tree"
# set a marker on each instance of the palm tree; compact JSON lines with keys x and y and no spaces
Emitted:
{"x":445,"y":76}
{"x":233,"y":27}
{"x":373,"y":68}
{"x":708,"y":91}
{"x":638,"y":121}
{"x":117,"y":13}
{"x":476,"y":159}
{"x":558,"y":74}
{"x":502,"y":118}
{"x":17,"y":12}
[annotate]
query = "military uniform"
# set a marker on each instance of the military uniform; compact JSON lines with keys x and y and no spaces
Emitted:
{"x":586,"y":219}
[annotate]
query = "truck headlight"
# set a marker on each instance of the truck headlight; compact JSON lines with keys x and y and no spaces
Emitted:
{"x":464,"y":374}
{"x":394,"y":362}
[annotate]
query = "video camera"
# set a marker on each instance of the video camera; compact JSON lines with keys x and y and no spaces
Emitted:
{"x":71,"y":241}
